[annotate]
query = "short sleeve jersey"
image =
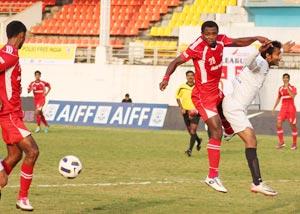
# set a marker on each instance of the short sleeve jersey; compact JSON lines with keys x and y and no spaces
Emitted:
{"x":207,"y":62}
{"x":10,"y":80}
{"x":184,"y":93}
{"x":39,"y":89}
{"x":287,"y":99}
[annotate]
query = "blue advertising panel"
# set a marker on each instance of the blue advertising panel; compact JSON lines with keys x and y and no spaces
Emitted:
{"x":127,"y":115}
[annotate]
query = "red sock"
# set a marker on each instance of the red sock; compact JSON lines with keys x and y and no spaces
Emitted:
{"x":294,"y":134}
{"x":7,"y":167}
{"x":213,"y":149}
{"x":227,"y":127}
{"x":44,"y":120}
{"x":280,"y":135}
{"x":38,"y":119}
{"x":25,"y":180}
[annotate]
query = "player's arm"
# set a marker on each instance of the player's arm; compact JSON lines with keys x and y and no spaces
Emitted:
{"x":48,"y":86}
{"x":246,"y":41}
{"x":292,"y":93}
{"x":170,"y":70}
{"x":29,"y":89}
{"x":7,"y":61}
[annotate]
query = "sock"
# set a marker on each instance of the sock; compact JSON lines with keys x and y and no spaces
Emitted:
{"x":280,"y":135}
{"x":213,"y":149}
{"x":25,"y":180}
{"x":38,"y":119}
{"x":253,"y":165}
{"x":294,"y":134}
{"x":6,"y":167}
{"x":192,"y":141}
{"x":44,"y":120}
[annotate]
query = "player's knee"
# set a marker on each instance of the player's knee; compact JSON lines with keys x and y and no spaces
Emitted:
{"x":217,"y":134}
{"x":33,"y":153}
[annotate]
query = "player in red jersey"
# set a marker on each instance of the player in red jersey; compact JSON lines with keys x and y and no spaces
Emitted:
{"x":206,"y":53}
{"x":14,"y":132}
{"x":40,"y":90}
{"x":286,"y":93}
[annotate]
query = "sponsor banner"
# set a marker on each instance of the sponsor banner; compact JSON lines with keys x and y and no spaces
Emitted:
{"x":47,"y":54}
{"x":106,"y":114}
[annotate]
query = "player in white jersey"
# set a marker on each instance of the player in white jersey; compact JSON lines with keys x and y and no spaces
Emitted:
{"x":245,"y":88}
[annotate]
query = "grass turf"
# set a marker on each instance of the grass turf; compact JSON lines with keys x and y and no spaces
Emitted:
{"x":141,"y":171}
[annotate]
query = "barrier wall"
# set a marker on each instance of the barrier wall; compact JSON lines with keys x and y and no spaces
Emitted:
{"x":109,"y":83}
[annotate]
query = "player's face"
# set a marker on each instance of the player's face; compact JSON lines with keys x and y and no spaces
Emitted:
{"x":275,"y":57}
{"x":286,"y":79}
{"x":37,"y":76}
{"x":190,"y":77}
{"x":210,"y":35}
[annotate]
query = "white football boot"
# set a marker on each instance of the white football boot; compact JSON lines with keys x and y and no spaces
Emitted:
{"x":228,"y":137}
{"x":37,"y":130}
{"x":263,"y":188}
{"x":24,"y":204}
{"x":216,"y":184}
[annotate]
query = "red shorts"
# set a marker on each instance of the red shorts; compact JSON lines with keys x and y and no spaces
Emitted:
{"x":287,"y":114}
{"x":207,"y":104}
{"x":39,"y":104}
{"x":13,"y":128}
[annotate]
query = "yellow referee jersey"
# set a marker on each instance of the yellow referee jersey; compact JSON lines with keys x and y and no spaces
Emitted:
{"x":184,"y":93}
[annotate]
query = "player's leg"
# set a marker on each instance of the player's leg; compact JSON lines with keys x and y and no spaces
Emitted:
{"x":280,"y":119}
{"x":228,"y":131}
{"x":293,"y":125}
{"x":3,"y":178}
{"x":249,"y":138}
{"x":194,"y":121}
{"x":14,"y":155}
{"x":38,"y":119}
{"x":187,"y":123}
{"x":31,"y":151}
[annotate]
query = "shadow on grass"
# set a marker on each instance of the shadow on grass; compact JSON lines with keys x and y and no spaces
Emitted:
{"x":131,"y":205}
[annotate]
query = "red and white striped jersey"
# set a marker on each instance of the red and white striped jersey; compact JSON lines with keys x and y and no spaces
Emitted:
{"x":287,"y":99}
{"x":10,"y":80}
{"x":39,"y":88}
{"x":207,"y":62}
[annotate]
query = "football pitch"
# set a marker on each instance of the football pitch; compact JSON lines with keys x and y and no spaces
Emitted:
{"x":141,"y":171}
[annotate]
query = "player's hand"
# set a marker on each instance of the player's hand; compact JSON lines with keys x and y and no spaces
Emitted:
{"x":288,"y":46}
{"x":265,"y":46}
{"x":183,"y":111}
{"x":163,"y":85}
{"x":263,"y":40}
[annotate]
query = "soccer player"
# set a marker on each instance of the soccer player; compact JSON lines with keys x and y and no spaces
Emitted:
{"x":287,"y":93}
{"x":14,"y":132}
{"x":190,"y":115}
{"x":245,"y":88}
{"x":40,"y":90}
{"x":206,"y":53}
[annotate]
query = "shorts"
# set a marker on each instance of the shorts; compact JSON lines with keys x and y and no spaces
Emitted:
{"x":235,"y":114}
{"x":188,"y":119}
{"x":207,"y":106}
{"x":39,"y":104}
{"x":287,"y":114}
{"x":13,"y":128}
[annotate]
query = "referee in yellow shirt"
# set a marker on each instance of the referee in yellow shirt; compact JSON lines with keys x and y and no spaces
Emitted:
{"x":188,"y":110}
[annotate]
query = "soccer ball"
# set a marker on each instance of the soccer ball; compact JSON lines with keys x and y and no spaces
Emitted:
{"x":70,"y":166}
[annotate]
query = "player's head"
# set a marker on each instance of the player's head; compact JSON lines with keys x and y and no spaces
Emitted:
{"x":190,"y":76}
{"x":286,"y":78}
{"x":37,"y":75}
{"x":127,"y":96}
{"x":210,"y":30}
{"x":16,"y":31}
{"x":272,"y":53}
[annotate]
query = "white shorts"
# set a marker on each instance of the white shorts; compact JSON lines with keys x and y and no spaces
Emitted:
{"x":236,"y":114}
{"x":1,"y":166}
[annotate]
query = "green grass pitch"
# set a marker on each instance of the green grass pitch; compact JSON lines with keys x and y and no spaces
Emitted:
{"x":141,"y":171}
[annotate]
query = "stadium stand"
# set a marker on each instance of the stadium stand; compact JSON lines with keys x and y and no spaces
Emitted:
{"x":15,"y":6}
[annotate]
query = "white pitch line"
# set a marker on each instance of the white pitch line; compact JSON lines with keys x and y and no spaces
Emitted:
{"x":135,"y":183}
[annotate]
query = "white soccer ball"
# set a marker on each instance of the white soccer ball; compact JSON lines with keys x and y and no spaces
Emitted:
{"x":70,"y":166}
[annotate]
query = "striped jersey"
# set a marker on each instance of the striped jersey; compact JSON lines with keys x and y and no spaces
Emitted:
{"x":10,"y":80}
{"x":38,"y":88}
{"x":286,"y":98}
{"x":207,"y":62}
